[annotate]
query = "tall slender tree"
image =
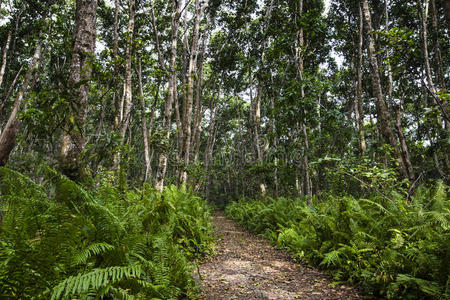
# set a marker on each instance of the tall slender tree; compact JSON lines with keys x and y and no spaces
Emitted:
{"x":172,"y":90}
{"x":73,"y":138}
{"x":382,"y":109}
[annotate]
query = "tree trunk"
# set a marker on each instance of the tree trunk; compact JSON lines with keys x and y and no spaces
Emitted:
{"x":388,"y":54}
{"x":257,"y":124}
{"x":382,"y":109}
{"x":4,"y":55}
{"x":211,"y":140}
{"x":128,"y":88}
{"x":172,"y":89}
{"x":301,"y":44}
{"x":9,"y":133}
{"x":73,"y":140}
{"x":187,"y":118}
{"x":211,"y":129}
{"x":359,"y":101}
{"x":198,"y":112}
{"x":429,"y":76}
{"x":10,"y":90}
{"x":180,"y":122}
{"x":116,"y":98}
{"x":403,"y":145}
{"x":274,"y":138}
{"x":126,"y":102}
{"x":148,"y":166}
{"x":438,"y":59}
{"x":308,"y":184}
{"x":198,"y":125}
{"x":447,"y":13}
{"x":251,"y":117}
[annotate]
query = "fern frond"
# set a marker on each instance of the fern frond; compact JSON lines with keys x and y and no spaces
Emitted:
{"x":95,"y":279}
{"x":426,"y":286}
{"x":91,"y":250}
{"x":331,"y":258}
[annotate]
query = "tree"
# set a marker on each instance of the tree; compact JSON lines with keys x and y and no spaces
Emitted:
{"x":9,"y":133}
{"x":172,"y":90}
{"x":382,"y":109}
{"x":73,"y":138}
{"x":188,"y":104}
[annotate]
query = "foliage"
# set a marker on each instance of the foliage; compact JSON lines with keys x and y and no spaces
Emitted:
{"x":58,"y":240}
{"x":391,"y":247}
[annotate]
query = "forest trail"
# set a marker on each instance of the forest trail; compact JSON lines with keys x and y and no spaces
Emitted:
{"x":246,"y":266}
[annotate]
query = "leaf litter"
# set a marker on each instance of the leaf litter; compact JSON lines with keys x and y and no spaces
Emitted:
{"x":246,"y":266}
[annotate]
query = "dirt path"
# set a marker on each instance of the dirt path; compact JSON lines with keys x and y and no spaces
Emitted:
{"x":246,"y":266}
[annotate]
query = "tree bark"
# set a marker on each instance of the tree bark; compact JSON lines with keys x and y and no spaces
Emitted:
{"x":251,"y":117}
{"x":403,"y":145}
{"x":125,"y":104}
{"x":116,"y":98}
{"x":10,"y":90}
{"x":438,"y":58}
{"x":426,"y":60}
{"x":257,"y":123}
{"x":9,"y":133}
{"x":301,"y":44}
{"x":274,"y":138}
{"x":382,"y":109}
{"x":429,"y":77}
{"x":4,"y":56}
{"x":211,"y":129}
{"x":198,"y":111}
{"x":447,"y":13}
{"x":359,"y":101}
{"x":128,"y":88}
{"x":172,"y":89}
{"x":188,"y":104}
{"x":73,"y":140}
{"x":388,"y":54}
{"x":180,"y":117}
{"x":148,"y":166}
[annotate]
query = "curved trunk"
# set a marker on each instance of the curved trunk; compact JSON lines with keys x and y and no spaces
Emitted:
{"x":9,"y":133}
{"x":382,"y":109}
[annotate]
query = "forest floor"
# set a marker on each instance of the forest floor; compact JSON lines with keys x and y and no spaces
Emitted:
{"x":246,"y":266}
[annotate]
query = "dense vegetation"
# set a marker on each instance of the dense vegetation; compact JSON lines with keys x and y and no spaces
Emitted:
{"x":58,"y":240}
{"x":109,"y":107}
{"x":391,"y":247}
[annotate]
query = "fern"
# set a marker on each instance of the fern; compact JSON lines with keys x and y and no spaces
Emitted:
{"x":331,"y":258}
{"x":428,"y":287}
{"x":91,"y":250}
{"x":94,"y":280}
{"x":392,"y":247}
{"x":101,"y":244}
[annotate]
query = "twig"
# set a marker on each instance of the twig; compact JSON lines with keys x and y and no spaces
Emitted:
{"x":412,"y":185}
{"x":367,"y":185}
{"x":438,"y":101}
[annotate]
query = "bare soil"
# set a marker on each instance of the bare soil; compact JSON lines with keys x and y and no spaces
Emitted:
{"x":246,"y":266}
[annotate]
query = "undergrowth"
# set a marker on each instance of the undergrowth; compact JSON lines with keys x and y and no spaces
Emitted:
{"x":61,"y":241}
{"x":391,"y":247}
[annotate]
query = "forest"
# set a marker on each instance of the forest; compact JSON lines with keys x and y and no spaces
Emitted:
{"x":127,"y":126}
